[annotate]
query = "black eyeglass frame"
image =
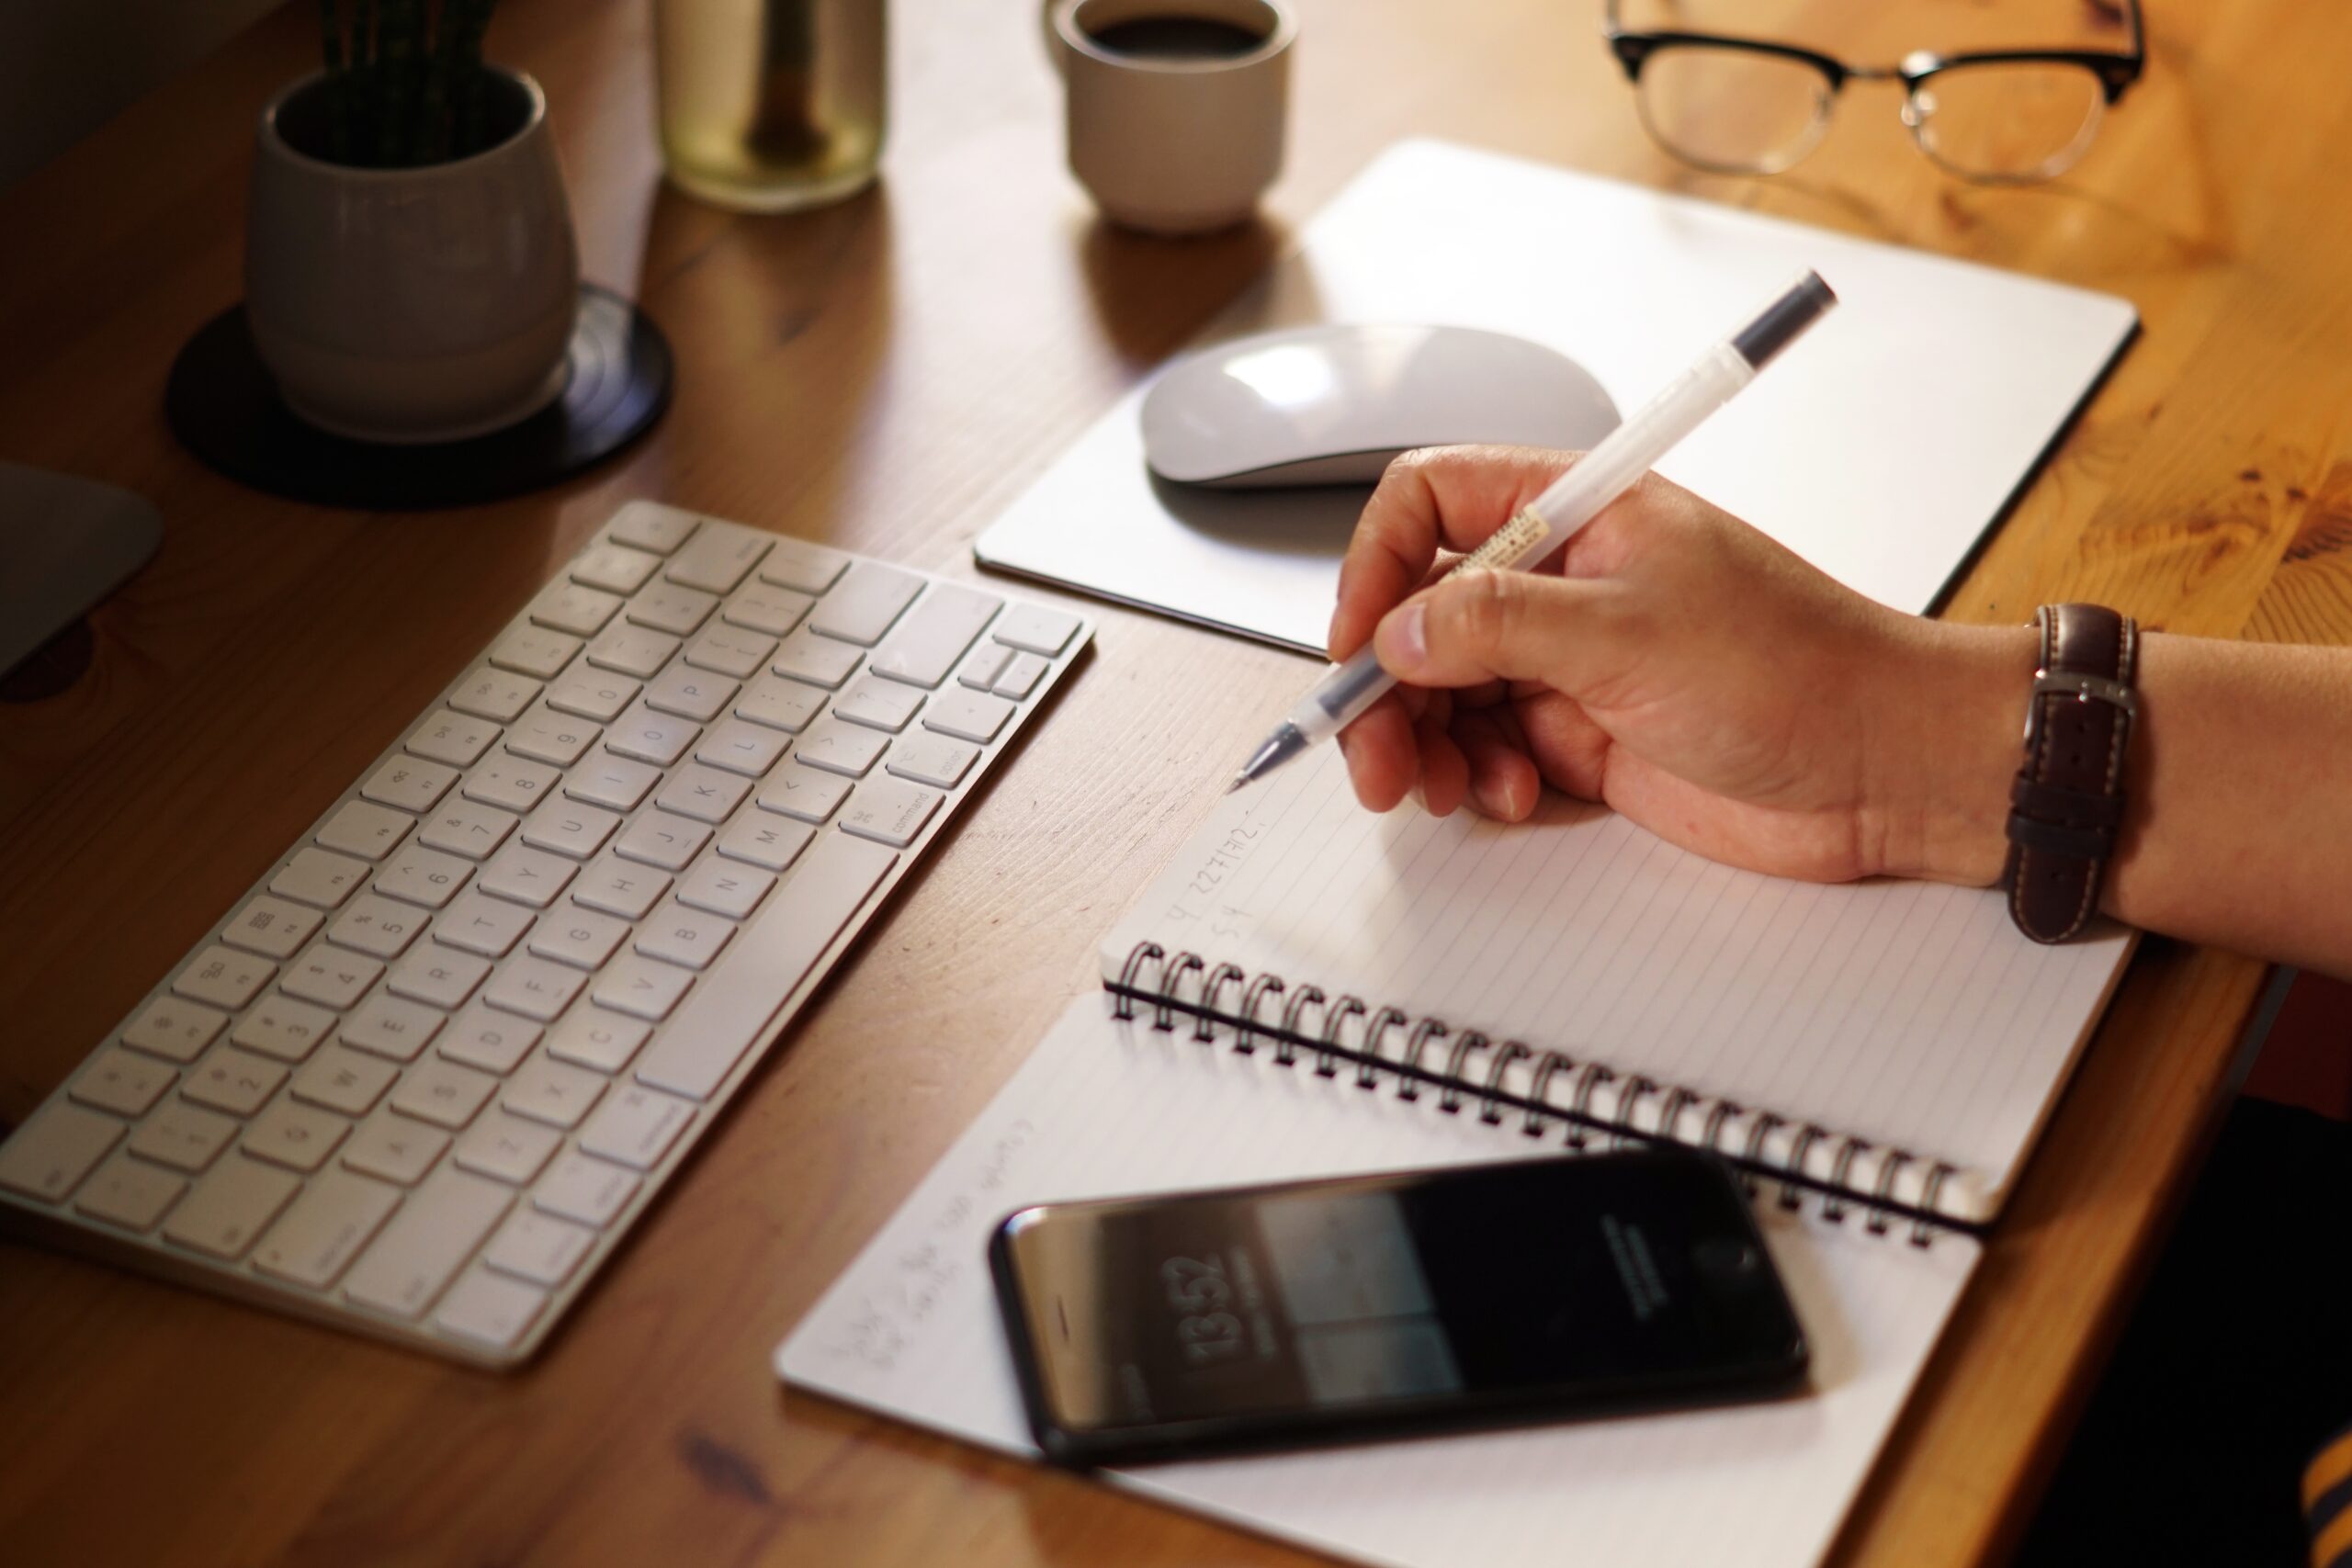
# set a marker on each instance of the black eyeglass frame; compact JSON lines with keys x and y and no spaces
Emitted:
{"x":2116,"y":69}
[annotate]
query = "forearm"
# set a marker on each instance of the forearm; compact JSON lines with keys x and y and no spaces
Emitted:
{"x":2237,"y":827}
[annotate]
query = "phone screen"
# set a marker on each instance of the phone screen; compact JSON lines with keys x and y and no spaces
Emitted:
{"x":1560,"y":1282}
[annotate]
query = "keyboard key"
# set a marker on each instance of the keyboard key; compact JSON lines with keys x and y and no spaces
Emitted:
{"x":484,"y":1037}
{"x":890,"y":811}
{"x":878,"y":703}
{"x":929,"y":641}
{"x":590,"y":1037}
{"x":779,"y":703}
{"x":511,"y":782}
{"x":987,"y":661}
{"x":343,"y":1080}
{"x":394,"y":1148}
{"x":568,"y":827}
{"x":174,"y":1030}
{"x":620,"y":887}
{"x":534,"y":987}
{"x":768,"y":609}
{"x":1021,"y":676}
{"x":1033,"y":628}
{"x":550,"y":1093}
{"x":479,"y":924}
{"x":271,"y":927}
{"x":861,"y":606}
{"x":688,"y":937}
{"x":839,"y":748}
{"x":632,"y":649}
{"x":466,"y":827}
{"x":615,"y":569}
{"x":388,"y":1027}
{"x":122,"y":1082}
{"x":295,"y":1136}
{"x":537,"y":1247}
{"x":589,"y":1191}
{"x":495,"y":694}
{"x":547,"y":735}
{"x":933,"y":760}
{"x":705,"y":795}
{"x":413,"y":784}
{"x":668,"y":607}
{"x":718,"y":558}
{"x":436,"y":976}
{"x":183,"y":1137}
{"x":761,"y":839}
{"x":224,"y":978}
{"x":428,"y":878}
{"x":750,"y":750}
{"x":316,"y":1239}
{"x":614,"y":783}
{"x":360,"y":828}
{"x":732,"y":650}
{"x":452,"y":737}
{"x":657,"y":838}
{"x":283,"y":1029}
{"x":236,"y":1081}
{"x":574,"y":607}
{"x":650,"y":737}
{"x":319,"y":879}
{"x":818,"y":660}
{"x":506,"y":1148}
{"x":635,"y":1126}
{"x":578,"y":938}
{"x":689,"y":692}
{"x":377,"y":926}
{"x":778,"y":948}
{"x":719,"y":889}
{"x":443,"y":1093}
{"x":969,"y":716}
{"x":802,"y":567}
{"x":130,"y":1193}
{"x":48,"y":1155}
{"x":522,"y":874}
{"x":594,"y":694}
{"x":434,"y":1232}
{"x":534,"y":651}
{"x":489,"y":1310}
{"x":647,"y":526}
{"x":805,"y":792}
{"x":643,"y":987}
{"x":331,"y":977}
{"x":231,"y":1207}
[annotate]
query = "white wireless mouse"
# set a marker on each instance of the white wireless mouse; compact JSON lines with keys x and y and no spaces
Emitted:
{"x":1333,"y":404}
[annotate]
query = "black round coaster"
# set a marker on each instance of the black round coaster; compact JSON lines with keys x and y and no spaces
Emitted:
{"x":224,"y":407}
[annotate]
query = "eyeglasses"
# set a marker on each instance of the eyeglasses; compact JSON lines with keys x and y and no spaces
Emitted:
{"x":1740,"y":105}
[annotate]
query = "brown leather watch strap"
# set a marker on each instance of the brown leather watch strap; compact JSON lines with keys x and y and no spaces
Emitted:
{"x":2067,"y":803}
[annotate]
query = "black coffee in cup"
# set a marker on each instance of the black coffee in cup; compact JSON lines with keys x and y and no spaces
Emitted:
{"x":1176,"y":38}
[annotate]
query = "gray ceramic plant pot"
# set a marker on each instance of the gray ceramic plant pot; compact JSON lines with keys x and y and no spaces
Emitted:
{"x":412,"y":305}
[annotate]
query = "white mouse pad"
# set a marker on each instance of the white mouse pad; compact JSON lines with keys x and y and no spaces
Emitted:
{"x":1879,"y":448}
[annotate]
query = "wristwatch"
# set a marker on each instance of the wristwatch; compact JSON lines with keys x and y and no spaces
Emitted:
{"x":2067,"y":803}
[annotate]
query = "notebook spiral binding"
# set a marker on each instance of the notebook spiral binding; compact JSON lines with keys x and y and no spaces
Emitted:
{"x":1465,"y":1066}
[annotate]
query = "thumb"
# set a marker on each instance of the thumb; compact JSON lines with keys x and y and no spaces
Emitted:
{"x":1513,"y":626}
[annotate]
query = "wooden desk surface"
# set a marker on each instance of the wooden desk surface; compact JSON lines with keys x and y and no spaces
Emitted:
{"x":888,"y":374}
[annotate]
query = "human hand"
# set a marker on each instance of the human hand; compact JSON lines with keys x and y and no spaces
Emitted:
{"x":1679,"y":666}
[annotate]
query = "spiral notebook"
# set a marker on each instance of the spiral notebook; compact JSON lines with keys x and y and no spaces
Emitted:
{"x":1310,"y":989}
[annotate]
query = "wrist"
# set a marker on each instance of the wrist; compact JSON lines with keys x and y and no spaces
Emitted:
{"x":1957,"y":701}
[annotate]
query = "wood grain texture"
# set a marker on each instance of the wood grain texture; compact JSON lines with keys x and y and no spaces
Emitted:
{"x":887,"y":374}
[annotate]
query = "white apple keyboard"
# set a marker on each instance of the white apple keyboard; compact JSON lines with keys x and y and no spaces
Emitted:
{"x":422,"y":1078}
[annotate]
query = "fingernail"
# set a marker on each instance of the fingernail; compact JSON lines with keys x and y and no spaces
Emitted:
{"x":1404,"y":637}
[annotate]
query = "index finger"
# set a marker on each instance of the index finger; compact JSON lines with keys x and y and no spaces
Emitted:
{"x":1450,"y":495}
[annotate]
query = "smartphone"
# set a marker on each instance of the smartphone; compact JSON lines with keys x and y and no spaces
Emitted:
{"x":1334,"y":1311}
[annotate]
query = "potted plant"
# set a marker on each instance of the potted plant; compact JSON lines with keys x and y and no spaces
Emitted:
{"x":410,"y":273}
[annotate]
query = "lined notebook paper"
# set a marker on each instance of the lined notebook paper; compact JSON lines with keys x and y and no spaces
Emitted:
{"x":1103,"y":1107}
{"x":1908,"y":1017}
